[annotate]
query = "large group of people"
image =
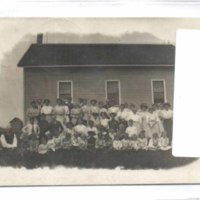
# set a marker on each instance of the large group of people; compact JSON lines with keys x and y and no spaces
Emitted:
{"x":92,"y":125}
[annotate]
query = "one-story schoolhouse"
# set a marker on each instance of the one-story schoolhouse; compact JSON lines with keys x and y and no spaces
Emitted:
{"x":133,"y":73}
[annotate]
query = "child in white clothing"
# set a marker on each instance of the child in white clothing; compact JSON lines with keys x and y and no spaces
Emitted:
{"x":142,"y":141}
{"x":164,"y":142}
{"x":117,"y":143}
{"x":131,"y":129}
{"x":133,"y":142}
{"x":50,"y":143}
{"x":154,"y":142}
{"x":43,"y":147}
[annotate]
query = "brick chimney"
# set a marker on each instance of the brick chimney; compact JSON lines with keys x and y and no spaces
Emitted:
{"x":39,"y":38}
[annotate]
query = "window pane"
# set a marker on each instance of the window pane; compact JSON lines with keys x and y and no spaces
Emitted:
{"x":112,"y":87}
{"x":158,"y":91}
{"x":113,"y":91}
{"x":158,"y":86}
{"x":159,"y":97}
{"x":64,"y":90}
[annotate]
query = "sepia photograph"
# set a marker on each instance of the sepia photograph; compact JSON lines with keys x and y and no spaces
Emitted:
{"x":90,"y":96}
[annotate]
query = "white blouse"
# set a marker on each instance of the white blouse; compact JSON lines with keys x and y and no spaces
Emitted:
{"x":167,"y":114}
{"x":131,"y":130}
{"x":82,"y":129}
{"x":93,"y":129}
{"x":7,"y":145}
{"x":47,"y":110}
{"x":135,"y":117}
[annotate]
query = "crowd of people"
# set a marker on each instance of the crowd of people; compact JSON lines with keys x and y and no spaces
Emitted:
{"x":92,"y":125}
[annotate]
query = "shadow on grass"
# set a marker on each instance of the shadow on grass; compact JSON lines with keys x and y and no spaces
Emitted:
{"x":94,"y":159}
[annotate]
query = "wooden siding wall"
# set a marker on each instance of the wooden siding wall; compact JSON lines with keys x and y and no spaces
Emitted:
{"x":89,"y":82}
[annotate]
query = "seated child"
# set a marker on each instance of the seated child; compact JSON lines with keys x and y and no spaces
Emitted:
{"x":164,"y":142}
{"x":82,"y":142}
{"x":57,"y":141}
{"x":66,"y":142}
{"x":112,"y":133}
{"x":80,"y":135}
{"x":117,"y":143}
{"x":68,"y":129}
{"x":80,"y":128}
{"x":91,"y":140}
{"x":100,"y":142}
{"x":57,"y":132}
{"x":91,"y":127}
{"x":108,"y":140}
{"x":142,"y":141}
{"x":133,"y":142}
{"x":125,"y":142}
{"x":50,"y":143}
{"x":154,"y":142}
{"x":131,"y":129}
{"x":43,"y":148}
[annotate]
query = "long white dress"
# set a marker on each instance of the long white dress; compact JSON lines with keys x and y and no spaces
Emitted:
{"x":59,"y":112}
{"x":144,"y":124}
{"x":153,"y":125}
{"x":136,"y":119}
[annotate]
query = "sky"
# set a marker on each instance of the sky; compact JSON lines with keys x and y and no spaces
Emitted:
{"x":16,"y":35}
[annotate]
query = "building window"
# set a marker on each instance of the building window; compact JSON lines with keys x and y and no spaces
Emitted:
{"x":65,"y":90}
{"x":113,"y":92}
{"x":158,"y":91}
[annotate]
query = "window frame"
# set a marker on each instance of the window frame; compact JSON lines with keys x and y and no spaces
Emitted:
{"x":65,"y":81}
{"x":152,"y":89}
{"x":119,"y":88}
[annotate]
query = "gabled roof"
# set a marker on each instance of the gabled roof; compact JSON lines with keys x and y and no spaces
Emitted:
{"x":47,"y":55}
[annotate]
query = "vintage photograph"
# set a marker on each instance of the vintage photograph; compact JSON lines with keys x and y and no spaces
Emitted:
{"x":89,"y":94}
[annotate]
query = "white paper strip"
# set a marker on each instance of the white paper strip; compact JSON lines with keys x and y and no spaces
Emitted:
{"x":186,"y":132}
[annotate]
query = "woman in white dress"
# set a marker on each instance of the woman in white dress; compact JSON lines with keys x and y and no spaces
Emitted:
{"x":122,"y":113}
{"x":143,"y":112}
{"x":135,"y":117}
{"x":153,"y":124}
{"x":47,"y":110}
{"x":59,"y":111}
